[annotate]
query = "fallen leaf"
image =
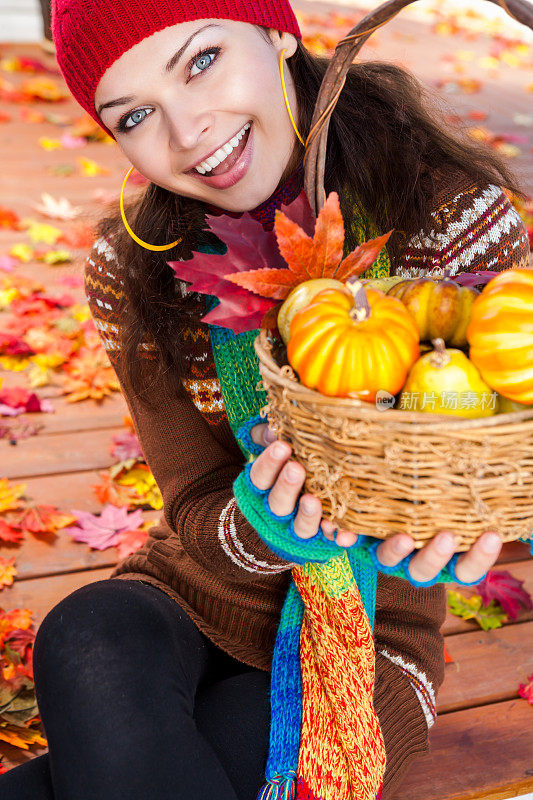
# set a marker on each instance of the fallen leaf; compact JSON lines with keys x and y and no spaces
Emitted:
{"x":125,"y":445}
{"x":22,"y":252}
{"x":91,"y":168}
{"x":525,"y":690}
{"x":40,"y":232}
{"x":49,"y":144}
{"x":10,"y":496}
{"x":130,"y":541}
{"x":8,"y":219}
{"x":42,"y":89}
{"x":7,"y":571}
{"x":101,"y":532}
{"x":70,"y":142}
{"x":447,"y":657}
{"x":488,"y":617}
{"x":10,"y":533}
{"x":57,"y":209}
{"x":43,"y":519}
{"x":505,"y":589}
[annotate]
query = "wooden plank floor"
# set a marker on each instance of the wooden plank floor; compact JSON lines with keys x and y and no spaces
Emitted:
{"x":481,"y":744}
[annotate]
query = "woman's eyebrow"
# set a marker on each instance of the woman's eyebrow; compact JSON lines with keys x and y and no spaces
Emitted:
{"x":122,"y":101}
{"x":176,"y":57}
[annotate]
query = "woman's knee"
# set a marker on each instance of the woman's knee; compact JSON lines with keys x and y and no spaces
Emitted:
{"x":104,"y":626}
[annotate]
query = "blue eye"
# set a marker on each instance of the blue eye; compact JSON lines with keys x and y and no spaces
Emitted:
{"x":202,"y":62}
{"x":136,"y":117}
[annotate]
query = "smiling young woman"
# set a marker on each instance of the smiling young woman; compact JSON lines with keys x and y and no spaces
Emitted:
{"x":155,"y":683}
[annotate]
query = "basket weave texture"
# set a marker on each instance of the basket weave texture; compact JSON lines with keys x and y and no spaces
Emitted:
{"x":380,"y":473}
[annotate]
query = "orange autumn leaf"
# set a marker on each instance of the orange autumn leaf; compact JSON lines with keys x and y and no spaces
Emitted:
{"x":308,"y":258}
{"x":7,"y":571}
{"x":44,"y":519}
{"x":10,"y":495}
{"x":447,"y":657}
{"x":22,"y":737}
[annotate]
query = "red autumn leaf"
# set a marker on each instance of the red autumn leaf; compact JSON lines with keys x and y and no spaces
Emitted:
{"x":447,"y":657}
{"x":8,"y":219}
{"x":264,"y":272}
{"x":13,"y":345}
{"x":10,"y":533}
{"x":507,"y":590}
{"x":525,"y":690}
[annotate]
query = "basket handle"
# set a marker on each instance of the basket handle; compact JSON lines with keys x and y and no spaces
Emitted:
{"x":335,"y":77}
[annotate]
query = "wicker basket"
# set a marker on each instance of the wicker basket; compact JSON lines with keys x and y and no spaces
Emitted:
{"x":384,"y":472}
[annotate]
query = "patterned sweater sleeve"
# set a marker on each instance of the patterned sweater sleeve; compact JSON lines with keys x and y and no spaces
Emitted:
{"x":475,"y":228}
{"x":193,"y":468}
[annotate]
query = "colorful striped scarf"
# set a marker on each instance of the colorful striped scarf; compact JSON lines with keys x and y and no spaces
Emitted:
{"x":325,"y":738}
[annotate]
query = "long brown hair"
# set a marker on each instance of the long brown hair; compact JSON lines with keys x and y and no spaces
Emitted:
{"x":385,"y":141}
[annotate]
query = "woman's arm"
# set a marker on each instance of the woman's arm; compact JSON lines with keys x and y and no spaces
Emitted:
{"x":193,"y":468}
{"x":409,"y":670}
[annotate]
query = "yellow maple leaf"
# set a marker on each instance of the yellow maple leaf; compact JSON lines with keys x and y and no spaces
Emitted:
{"x":38,"y":376}
{"x":7,"y":296}
{"x":14,"y":363}
{"x":41,"y":232}
{"x":23,"y":252}
{"x":48,"y":360}
{"x":7,"y":571}
{"x":10,"y":495}
{"x":91,"y":168}
{"x":81,"y":312}
{"x":49,"y":144}
{"x":58,"y":257}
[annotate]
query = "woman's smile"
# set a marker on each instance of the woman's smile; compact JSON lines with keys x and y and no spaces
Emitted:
{"x":227,"y":164}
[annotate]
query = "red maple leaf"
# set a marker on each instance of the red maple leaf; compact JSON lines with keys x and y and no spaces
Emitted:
{"x":10,"y":533}
{"x":507,"y":590}
{"x":260,"y":267}
{"x":525,"y":690}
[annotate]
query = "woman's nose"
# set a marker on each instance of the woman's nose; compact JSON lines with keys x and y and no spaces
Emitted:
{"x":187,"y":130}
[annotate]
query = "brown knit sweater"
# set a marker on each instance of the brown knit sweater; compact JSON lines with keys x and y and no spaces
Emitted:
{"x":206,"y":556}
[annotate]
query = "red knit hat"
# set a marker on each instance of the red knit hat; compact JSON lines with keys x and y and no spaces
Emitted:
{"x":90,"y":35}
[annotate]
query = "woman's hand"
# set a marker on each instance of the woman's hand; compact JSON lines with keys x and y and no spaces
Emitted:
{"x":285,"y":478}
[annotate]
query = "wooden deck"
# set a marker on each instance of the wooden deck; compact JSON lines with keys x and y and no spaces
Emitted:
{"x":481,"y":744}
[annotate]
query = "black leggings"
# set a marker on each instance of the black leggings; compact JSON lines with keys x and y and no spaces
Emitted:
{"x":137,"y":703}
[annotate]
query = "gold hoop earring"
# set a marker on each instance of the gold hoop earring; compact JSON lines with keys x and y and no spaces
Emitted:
{"x":298,"y":134}
{"x":155,"y":247}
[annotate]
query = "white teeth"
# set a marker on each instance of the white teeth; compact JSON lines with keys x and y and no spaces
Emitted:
{"x":222,"y":152}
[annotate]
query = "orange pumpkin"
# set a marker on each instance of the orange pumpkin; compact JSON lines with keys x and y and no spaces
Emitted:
{"x":500,"y":334}
{"x":352,"y":342}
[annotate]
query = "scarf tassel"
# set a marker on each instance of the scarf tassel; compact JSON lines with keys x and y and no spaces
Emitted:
{"x":280,"y":787}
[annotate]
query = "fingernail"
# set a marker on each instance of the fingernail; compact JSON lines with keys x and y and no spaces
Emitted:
{"x":293,"y":473}
{"x":402,"y":547}
{"x":445,"y":543}
{"x":269,"y":436}
{"x":279,"y":450}
{"x":491,"y":543}
{"x":307,"y":506}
